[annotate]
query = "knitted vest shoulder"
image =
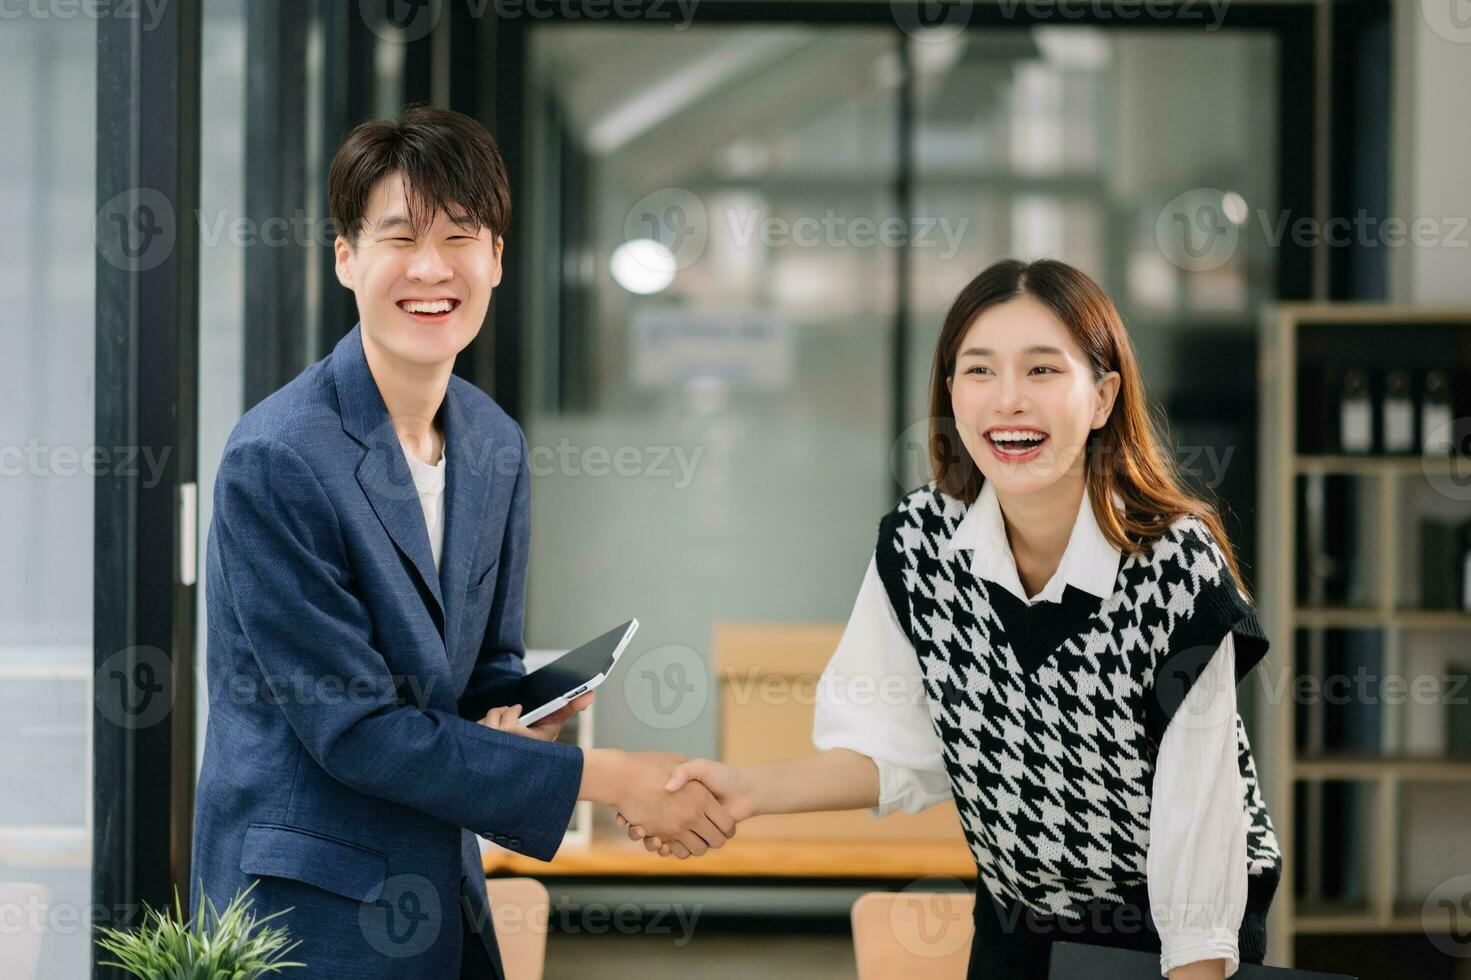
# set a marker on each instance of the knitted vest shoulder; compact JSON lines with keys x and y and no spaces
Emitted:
{"x":1051,"y":714}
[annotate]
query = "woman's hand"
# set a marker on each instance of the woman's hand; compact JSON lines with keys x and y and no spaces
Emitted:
{"x":507,"y":719}
{"x":690,"y":819}
{"x":731,"y":786}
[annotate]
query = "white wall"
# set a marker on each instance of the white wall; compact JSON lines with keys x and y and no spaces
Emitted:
{"x":1432,"y":135}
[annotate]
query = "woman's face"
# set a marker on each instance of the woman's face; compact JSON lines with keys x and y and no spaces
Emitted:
{"x":1024,"y":397}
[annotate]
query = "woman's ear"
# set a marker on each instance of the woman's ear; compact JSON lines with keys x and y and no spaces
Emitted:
{"x":1107,"y":388}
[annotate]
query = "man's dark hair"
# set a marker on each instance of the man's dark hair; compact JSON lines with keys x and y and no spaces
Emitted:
{"x":450,"y":163}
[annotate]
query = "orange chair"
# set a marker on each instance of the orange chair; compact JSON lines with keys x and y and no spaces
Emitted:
{"x":913,"y":934}
{"x":519,"y":908}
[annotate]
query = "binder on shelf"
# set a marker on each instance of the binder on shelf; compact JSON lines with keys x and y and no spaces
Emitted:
{"x":1330,"y":565}
{"x":1351,"y":721}
{"x":1458,"y":709}
{"x":1442,"y":563}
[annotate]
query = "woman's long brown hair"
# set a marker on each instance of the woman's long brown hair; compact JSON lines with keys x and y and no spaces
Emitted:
{"x":1126,"y":455}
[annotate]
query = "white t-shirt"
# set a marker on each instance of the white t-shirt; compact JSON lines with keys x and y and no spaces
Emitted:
{"x":429,"y":481}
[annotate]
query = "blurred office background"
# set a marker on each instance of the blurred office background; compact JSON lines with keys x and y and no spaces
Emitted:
{"x":735,"y":235}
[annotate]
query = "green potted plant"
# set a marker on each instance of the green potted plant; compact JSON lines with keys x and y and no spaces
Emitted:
{"x":229,"y":945}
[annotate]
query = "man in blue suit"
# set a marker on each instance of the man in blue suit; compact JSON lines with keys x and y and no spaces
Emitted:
{"x":367,"y":566}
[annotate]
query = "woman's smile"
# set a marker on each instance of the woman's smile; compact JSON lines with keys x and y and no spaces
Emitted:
{"x":1015,"y":444}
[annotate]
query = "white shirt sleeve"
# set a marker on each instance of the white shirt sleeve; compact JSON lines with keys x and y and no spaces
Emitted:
{"x":1196,"y":862}
{"x":871,"y":700}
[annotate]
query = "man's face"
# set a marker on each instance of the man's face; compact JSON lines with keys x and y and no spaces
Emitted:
{"x":393,"y":272}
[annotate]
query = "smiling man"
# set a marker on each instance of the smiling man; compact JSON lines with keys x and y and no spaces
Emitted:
{"x":366,"y":575}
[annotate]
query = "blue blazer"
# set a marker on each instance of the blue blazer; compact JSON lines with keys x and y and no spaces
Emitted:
{"x":343,"y":769}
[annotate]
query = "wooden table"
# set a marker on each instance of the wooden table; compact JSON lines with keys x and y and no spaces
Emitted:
{"x":617,"y":857}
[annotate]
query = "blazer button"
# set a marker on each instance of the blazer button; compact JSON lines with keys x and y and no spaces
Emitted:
{"x":515,"y":842}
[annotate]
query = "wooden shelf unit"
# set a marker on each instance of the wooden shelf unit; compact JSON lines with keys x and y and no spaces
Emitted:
{"x":1280,"y":465}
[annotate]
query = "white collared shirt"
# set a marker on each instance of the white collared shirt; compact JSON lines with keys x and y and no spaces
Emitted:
{"x":1196,"y":864}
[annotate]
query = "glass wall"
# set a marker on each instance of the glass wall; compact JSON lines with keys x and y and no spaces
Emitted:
{"x":1145,"y":158}
{"x":47,"y":462}
{"x":222,"y":279}
{"x":709,"y":345}
{"x":712,"y":222}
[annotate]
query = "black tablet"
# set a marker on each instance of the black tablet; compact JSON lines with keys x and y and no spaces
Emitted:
{"x":1081,"y":961}
{"x":575,"y":672}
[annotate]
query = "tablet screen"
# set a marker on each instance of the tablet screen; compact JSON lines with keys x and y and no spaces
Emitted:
{"x":569,"y":671}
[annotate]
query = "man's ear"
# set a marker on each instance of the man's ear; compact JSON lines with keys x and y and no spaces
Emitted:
{"x":343,"y":253}
{"x":495,"y":275}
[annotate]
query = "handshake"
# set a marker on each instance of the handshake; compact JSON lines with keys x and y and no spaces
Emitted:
{"x":678,"y":807}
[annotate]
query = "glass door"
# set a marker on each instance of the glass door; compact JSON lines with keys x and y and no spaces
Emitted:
{"x":48,"y":455}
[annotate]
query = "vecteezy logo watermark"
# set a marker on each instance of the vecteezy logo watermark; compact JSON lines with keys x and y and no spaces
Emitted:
{"x":405,"y":919}
{"x":942,"y":20}
{"x":1189,"y":693}
{"x":403,"y":21}
{"x":1449,"y":473}
{"x":931,"y":21}
{"x":659,"y":462}
{"x":910,"y":455}
{"x":1213,"y":12}
{"x":91,"y":9}
{"x":36,"y":459}
{"x":667,"y":687}
{"x":932,"y":918}
{"x":1451,"y":19}
{"x":834,"y":230}
{"x":1202,"y":229}
{"x":680,"y":221}
{"x":593,"y":918}
{"x":682,"y":12}
{"x":135,"y":229}
{"x":1446,"y":916}
{"x":134,"y":688}
{"x":832,"y":687}
{"x":400,"y":20}
{"x":675,"y":218}
{"x":385,"y":472}
{"x":303,"y":689}
{"x":28,"y":911}
{"x":1198,"y":230}
{"x":1365,"y":688}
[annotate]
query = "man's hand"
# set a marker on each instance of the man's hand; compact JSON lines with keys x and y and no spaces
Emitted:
{"x":546,"y":729}
{"x":689,"y":820}
{"x":729,"y":785}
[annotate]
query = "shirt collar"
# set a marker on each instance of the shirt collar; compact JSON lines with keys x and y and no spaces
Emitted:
{"x":1089,"y":562}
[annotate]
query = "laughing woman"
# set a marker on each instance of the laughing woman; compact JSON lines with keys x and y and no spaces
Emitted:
{"x":1070,"y":626}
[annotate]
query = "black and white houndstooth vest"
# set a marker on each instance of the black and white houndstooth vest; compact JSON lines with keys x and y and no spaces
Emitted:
{"x":1051,"y":713}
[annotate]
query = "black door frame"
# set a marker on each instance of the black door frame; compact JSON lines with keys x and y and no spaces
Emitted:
{"x":147,"y":276}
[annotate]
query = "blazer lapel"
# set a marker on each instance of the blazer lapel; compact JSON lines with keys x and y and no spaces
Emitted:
{"x":464,"y":511}
{"x":383,"y":472}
